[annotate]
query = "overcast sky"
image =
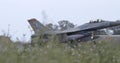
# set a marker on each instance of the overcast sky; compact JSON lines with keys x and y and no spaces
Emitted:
{"x":16,"y":13}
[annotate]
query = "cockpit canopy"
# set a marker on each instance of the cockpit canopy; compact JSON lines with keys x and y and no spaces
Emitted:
{"x":97,"y":21}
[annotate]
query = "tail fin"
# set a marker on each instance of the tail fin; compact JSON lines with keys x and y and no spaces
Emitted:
{"x":36,"y":25}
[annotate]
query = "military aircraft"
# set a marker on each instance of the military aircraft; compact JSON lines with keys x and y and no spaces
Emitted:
{"x":80,"y":33}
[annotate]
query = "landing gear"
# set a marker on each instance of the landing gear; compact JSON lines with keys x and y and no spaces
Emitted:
{"x":92,"y":37}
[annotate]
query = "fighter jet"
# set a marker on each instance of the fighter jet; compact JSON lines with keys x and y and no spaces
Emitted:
{"x":79,"y":33}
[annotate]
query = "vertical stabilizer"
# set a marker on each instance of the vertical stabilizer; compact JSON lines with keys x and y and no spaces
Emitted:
{"x":36,"y":25}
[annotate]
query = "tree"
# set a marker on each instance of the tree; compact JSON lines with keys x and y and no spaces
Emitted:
{"x":55,"y":27}
{"x":50,"y":26}
{"x":62,"y":25}
{"x":65,"y":24}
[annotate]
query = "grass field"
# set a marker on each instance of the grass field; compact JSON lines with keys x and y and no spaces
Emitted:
{"x":55,"y":52}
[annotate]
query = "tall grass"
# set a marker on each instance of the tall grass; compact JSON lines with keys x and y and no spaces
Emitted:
{"x":56,"y":52}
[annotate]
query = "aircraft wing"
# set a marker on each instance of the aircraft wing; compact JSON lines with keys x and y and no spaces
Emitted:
{"x":82,"y":28}
{"x":63,"y":32}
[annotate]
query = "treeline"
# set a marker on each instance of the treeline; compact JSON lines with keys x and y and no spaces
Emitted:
{"x":62,"y":25}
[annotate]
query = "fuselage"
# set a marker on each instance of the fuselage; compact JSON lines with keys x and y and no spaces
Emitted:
{"x":99,"y":27}
{"x":81,"y":31}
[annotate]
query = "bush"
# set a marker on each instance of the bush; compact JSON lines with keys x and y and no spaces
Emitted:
{"x":56,"y":52}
